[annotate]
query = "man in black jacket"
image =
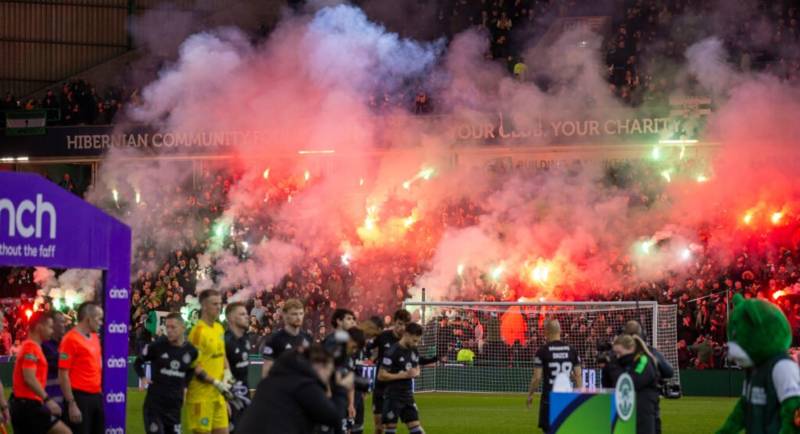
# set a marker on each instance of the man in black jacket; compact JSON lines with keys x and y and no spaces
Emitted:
{"x":294,"y":398}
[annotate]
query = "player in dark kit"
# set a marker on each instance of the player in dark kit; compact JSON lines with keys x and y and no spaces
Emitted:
{"x":291,"y":336}
{"x":379,"y":346}
{"x":399,"y":366}
{"x":171,"y":365}
{"x":237,"y":351}
{"x":555,"y":358}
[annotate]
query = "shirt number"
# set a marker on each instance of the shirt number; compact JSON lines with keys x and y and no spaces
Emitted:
{"x":559,"y":368}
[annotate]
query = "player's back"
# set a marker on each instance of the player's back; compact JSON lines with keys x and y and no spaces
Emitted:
{"x":210,"y":345}
{"x":555,"y":358}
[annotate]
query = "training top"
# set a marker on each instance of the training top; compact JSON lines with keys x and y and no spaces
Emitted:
{"x":282,"y":341}
{"x":210,"y":343}
{"x":237,"y":350}
{"x":82,"y":356}
{"x":399,"y":359}
{"x":171,"y":368}
{"x":30,"y":356}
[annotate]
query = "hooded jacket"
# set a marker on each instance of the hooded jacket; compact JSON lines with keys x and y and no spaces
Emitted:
{"x":292,"y":400}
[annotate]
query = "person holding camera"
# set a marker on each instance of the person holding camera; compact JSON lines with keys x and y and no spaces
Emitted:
{"x":297,"y":395}
{"x":634,"y":358}
{"x":665,"y":370}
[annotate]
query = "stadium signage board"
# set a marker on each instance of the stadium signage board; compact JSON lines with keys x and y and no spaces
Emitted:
{"x":42,"y":224}
{"x":504,"y":129}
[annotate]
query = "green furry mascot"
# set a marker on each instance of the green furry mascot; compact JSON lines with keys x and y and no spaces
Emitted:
{"x":759,"y":337}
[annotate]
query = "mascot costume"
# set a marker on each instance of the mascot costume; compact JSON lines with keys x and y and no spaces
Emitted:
{"x":759,"y":337}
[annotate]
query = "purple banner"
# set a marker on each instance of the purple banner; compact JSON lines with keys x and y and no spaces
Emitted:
{"x":43,"y":225}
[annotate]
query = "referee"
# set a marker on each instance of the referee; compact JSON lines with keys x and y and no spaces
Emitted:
{"x":80,"y":370}
{"x":32,"y":410}
{"x":171,"y":365}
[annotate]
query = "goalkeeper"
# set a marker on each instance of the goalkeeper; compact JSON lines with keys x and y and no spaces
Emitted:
{"x":207,"y":410}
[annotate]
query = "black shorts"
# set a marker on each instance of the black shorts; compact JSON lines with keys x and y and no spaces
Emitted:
{"x":161,"y":420}
{"x":92,"y":416}
{"x":377,"y":398}
{"x":30,"y":417}
{"x":544,"y":413}
{"x":403,"y":408}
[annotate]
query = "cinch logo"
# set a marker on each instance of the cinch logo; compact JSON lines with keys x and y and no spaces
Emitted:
{"x":119,"y":362}
{"x":118,"y":293}
{"x":115,"y":430}
{"x":115,"y":398}
{"x":117,"y":328}
{"x":37,"y":210}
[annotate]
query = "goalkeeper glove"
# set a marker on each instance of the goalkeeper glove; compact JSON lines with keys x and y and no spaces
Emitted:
{"x":223,"y":388}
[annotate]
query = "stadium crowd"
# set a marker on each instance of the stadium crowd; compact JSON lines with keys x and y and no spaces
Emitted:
{"x":642,"y":48}
{"x":324,"y":282}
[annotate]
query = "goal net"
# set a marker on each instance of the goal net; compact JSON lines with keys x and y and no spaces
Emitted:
{"x":490,"y":347}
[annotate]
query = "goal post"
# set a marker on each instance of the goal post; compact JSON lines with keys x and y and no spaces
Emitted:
{"x":490,"y":346}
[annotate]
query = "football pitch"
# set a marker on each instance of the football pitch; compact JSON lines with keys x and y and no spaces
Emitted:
{"x":451,"y":413}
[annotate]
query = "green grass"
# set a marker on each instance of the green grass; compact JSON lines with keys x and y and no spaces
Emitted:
{"x":450,"y":413}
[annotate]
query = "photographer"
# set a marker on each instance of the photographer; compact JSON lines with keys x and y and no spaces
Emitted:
{"x":634,"y":358}
{"x":296,"y":396}
{"x":665,"y":370}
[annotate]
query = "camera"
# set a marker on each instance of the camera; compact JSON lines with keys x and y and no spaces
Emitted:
{"x":604,"y":354}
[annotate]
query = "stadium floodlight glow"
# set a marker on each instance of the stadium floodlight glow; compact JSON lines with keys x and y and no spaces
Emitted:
{"x":7,"y":160}
{"x":22,"y":159}
{"x":316,"y":152}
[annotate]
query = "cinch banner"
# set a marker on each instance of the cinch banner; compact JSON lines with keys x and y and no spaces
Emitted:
{"x":42,"y":224}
